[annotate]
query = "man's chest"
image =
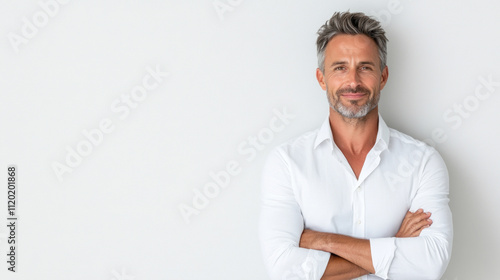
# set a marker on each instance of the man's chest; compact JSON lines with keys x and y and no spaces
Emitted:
{"x":332,"y":199}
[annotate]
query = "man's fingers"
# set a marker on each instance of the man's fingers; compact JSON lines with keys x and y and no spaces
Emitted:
{"x":417,"y":233}
{"x":409,"y":213}
{"x":422,"y":224}
{"x":416,"y":218}
{"x":414,"y":222}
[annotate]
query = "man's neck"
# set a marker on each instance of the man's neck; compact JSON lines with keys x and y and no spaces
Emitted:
{"x":354,"y":136}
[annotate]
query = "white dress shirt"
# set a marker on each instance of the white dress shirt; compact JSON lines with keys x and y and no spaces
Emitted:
{"x":308,"y":183}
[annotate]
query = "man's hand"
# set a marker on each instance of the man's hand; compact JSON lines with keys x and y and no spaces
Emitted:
{"x":414,"y":223}
{"x":412,"y":226}
{"x":355,"y":254}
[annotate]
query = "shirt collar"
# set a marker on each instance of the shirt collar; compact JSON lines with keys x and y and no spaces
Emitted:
{"x":325,"y":133}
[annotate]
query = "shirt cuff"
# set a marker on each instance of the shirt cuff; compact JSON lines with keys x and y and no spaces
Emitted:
{"x":383,"y":250}
{"x":315,"y":264}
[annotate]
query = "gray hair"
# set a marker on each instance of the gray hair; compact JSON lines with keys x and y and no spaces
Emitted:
{"x":351,"y":24}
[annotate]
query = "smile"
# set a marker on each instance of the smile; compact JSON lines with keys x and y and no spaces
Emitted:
{"x":353,"y":95}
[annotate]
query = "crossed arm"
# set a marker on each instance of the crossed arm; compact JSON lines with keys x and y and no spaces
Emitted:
{"x":291,"y":251}
{"x":351,"y":257}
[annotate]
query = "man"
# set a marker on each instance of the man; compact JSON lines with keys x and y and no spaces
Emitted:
{"x":354,"y":198}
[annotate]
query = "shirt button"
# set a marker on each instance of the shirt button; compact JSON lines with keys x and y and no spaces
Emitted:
{"x":358,"y":189}
{"x":359,"y":222}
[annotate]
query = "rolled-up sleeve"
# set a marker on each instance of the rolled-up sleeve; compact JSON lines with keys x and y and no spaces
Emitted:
{"x":426,"y":256}
{"x":281,"y":225}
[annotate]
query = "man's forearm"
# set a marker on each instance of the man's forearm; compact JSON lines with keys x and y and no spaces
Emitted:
{"x":357,"y":252}
{"x":341,"y":269}
{"x":354,"y":250}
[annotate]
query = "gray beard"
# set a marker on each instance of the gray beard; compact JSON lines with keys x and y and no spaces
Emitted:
{"x":357,"y":112}
{"x":350,"y":113}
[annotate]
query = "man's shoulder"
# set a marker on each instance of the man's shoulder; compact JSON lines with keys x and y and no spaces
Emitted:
{"x":405,"y":141}
{"x":298,"y":144}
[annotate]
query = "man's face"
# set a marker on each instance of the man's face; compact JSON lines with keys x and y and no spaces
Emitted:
{"x":352,"y":76}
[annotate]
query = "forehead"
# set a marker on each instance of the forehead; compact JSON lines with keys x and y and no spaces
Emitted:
{"x":351,"y":45}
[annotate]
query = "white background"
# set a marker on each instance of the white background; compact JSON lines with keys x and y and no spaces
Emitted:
{"x":116,"y":215}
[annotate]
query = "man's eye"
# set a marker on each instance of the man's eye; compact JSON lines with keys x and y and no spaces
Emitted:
{"x":366,"y":68}
{"x":339,"y":68}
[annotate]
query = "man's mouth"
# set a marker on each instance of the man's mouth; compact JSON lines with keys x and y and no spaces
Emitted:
{"x":352,"y":95}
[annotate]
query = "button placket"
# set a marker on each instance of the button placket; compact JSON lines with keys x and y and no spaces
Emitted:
{"x":358,"y":212}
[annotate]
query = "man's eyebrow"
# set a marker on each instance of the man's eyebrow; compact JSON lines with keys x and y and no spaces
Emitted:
{"x":345,"y":62}
{"x":367,"y":62}
{"x":338,"y":63}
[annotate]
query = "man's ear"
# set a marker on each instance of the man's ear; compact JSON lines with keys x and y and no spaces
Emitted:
{"x":321,"y":78}
{"x":385,"y":76}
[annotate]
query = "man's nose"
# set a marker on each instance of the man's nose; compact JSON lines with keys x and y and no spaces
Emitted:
{"x":353,"y":79}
